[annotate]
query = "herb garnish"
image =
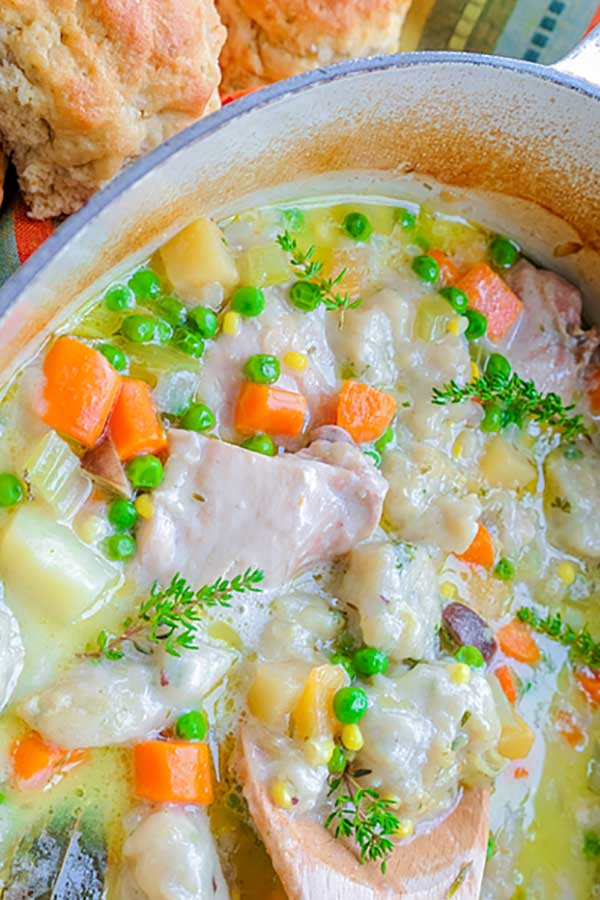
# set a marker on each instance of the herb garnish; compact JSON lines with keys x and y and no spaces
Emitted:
{"x":308,"y":269}
{"x":171,"y":616}
{"x":519,"y":400}
{"x":362,"y":814}
{"x":581,"y":644}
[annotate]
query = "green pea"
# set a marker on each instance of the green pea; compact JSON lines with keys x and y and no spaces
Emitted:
{"x":293,"y":218}
{"x":405,"y":218}
{"x":204,"y":320}
{"x":192,"y":726}
{"x":505,"y":569}
{"x":340,"y":659}
{"x":248,"y":301}
{"x":260,"y":443}
{"x":386,"y":438}
{"x":492,"y":418}
{"x":305,"y":295}
{"x":357,"y":226}
{"x":139,"y":329}
{"x":262,"y":368}
{"x":426,"y":268}
{"x":11,"y":490}
{"x":162,"y":331}
{"x":115,"y":356}
{"x":477,"y":324}
{"x":338,"y":761}
{"x":120,"y":547}
{"x":504,"y":252}
{"x":471,"y":656}
{"x":350,"y":704}
{"x":375,"y":456}
{"x":370,"y":661}
{"x":119,"y":297}
{"x":122,"y":514}
{"x":498,"y":366}
{"x":188,"y":342}
{"x":171,"y":310}
{"x":145,"y":284}
{"x":145,"y":472}
{"x":457,"y":299}
{"x":198,"y":418}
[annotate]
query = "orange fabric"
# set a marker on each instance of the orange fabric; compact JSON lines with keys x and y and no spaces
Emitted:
{"x":595,"y":21}
{"x":80,"y":391}
{"x":481,"y":550}
{"x":264,"y":408}
{"x":34,"y":760}
{"x":134,"y":425}
{"x":515,"y":641}
{"x":363,"y":411}
{"x":490,"y":295}
{"x":449,"y":271}
{"x":504,"y":676}
{"x":173,"y":772}
{"x":29,"y":233}
{"x":589,"y":683}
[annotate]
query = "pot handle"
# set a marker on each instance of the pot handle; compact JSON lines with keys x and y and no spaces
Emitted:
{"x":584,"y":61}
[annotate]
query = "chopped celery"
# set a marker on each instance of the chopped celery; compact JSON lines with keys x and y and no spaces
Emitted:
{"x":431,"y":321}
{"x":56,"y":477}
{"x":151,"y":362}
{"x":264,"y":265}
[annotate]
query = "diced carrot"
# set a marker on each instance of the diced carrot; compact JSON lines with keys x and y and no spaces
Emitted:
{"x":593,"y":390}
{"x":480,"y":551}
{"x":173,"y":772}
{"x":521,"y":772}
{"x":570,"y":730}
{"x":363,"y":411}
{"x":507,"y":683}
{"x":134,"y":425}
{"x":34,"y":761}
{"x":489,"y":293}
{"x":589,"y":683}
{"x":449,"y":271}
{"x":264,"y":408}
{"x":80,"y":391}
{"x":515,"y":641}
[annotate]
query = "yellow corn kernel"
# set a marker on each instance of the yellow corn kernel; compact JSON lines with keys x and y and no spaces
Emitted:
{"x":318,"y":751}
{"x":352,"y":738}
{"x":144,"y":506}
{"x":475,"y":371}
{"x":460,"y":673}
{"x":231,"y":323}
{"x":567,"y":573}
{"x":448,"y":590}
{"x":457,"y":447}
{"x":405,"y":828}
{"x":454,"y":325}
{"x":281,"y":794}
{"x":91,"y":529}
{"x":295,"y":360}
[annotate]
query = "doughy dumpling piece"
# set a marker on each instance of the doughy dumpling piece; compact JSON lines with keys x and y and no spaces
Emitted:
{"x":97,"y":704}
{"x":397,"y":600}
{"x":171,"y":855}
{"x":186,"y":679}
{"x":84,"y":87}
{"x":572,"y":501}
{"x":11,"y":654}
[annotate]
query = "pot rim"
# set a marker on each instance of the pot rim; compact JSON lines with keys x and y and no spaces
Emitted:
{"x":70,"y":228}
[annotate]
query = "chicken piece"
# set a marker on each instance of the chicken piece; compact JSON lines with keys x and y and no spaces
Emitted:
{"x":312,"y":863}
{"x":571,"y":502}
{"x":84,"y":87}
{"x":397,"y":600}
{"x":97,"y":704}
{"x":222,"y":509}
{"x":171,"y":855}
{"x":12,"y":654}
{"x":272,"y":39}
{"x":549,"y":346}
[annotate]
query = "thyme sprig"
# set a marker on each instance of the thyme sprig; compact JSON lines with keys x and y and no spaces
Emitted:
{"x":171,"y":616}
{"x":582,"y":646}
{"x":361,"y":814}
{"x":519,"y":400}
{"x":309,"y":269}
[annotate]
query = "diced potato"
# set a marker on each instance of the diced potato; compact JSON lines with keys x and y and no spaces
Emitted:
{"x":516,"y":738}
{"x":49,"y":568}
{"x":313,"y":715}
{"x":505,"y":466}
{"x":263,"y":266}
{"x":275,"y":691}
{"x":197,"y":256}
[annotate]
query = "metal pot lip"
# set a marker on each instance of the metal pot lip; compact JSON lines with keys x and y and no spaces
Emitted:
{"x":36,"y":263}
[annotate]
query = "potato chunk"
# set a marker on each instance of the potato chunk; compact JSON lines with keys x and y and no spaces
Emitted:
{"x":197,"y":256}
{"x":275,"y":691}
{"x":505,"y":466}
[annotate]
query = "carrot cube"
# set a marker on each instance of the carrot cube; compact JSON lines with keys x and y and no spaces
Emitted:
{"x":134,"y":425}
{"x":489,"y":294}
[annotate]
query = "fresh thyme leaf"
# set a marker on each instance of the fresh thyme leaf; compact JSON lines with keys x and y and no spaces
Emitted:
{"x":561,"y":503}
{"x":361,"y":814}
{"x":519,"y":399}
{"x":171,"y":616}
{"x":309,"y":269}
{"x":582,"y":646}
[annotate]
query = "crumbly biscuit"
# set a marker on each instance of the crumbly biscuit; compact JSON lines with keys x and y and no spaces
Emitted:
{"x":272,"y":39}
{"x":86,"y":85}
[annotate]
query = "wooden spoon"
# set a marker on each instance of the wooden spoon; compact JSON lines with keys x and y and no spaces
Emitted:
{"x":445,"y":863}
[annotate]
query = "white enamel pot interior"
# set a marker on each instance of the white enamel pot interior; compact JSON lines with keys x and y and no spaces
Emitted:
{"x":514,"y":144}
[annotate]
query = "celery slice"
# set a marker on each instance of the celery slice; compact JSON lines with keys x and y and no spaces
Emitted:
{"x":56,"y":477}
